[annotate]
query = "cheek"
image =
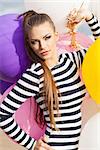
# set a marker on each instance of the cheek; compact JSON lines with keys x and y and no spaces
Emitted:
{"x":36,"y":51}
{"x":52,"y":42}
{"x":35,"y":47}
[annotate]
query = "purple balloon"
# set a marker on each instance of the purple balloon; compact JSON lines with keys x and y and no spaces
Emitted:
{"x":4,"y":86}
{"x":13,"y":56}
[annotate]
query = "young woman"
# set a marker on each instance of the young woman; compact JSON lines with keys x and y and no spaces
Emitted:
{"x":54,"y":82}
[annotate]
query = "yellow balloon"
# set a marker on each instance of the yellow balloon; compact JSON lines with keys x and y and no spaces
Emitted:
{"x":91,"y":71}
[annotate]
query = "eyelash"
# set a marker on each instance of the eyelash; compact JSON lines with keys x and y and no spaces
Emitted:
{"x":46,"y":38}
{"x":33,"y":42}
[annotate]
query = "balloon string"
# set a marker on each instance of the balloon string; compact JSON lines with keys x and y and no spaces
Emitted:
{"x":80,"y":7}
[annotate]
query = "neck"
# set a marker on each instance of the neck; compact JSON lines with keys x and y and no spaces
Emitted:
{"x":52,"y":61}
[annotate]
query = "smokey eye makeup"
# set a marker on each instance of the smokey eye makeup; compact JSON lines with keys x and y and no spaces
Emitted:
{"x":47,"y":37}
{"x":34,"y":42}
{"x":37,"y":42}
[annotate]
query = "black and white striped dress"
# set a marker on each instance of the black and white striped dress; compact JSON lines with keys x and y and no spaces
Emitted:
{"x":67,"y":79}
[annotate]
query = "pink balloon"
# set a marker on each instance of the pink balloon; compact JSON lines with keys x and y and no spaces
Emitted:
{"x":27,"y":120}
{"x":64,"y":42}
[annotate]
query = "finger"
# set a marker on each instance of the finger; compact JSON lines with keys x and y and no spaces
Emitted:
{"x":48,"y":147}
{"x":45,"y":138}
{"x":39,"y":145}
{"x":39,"y":148}
{"x":45,"y":145}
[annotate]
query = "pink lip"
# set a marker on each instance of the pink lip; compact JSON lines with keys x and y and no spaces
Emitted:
{"x":44,"y":53}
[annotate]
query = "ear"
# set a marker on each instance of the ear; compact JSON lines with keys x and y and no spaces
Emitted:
{"x":57,"y":36}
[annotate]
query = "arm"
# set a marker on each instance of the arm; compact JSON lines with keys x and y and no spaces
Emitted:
{"x":78,"y":56}
{"x":27,"y":86}
{"x":93,"y":24}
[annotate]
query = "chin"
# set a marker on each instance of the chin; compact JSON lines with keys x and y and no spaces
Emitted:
{"x":47,"y":57}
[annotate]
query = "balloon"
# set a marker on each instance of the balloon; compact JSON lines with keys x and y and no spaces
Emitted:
{"x":4,"y":86}
{"x":91,"y":71}
{"x":13,"y":57}
{"x":64,"y":41}
{"x":27,"y":119}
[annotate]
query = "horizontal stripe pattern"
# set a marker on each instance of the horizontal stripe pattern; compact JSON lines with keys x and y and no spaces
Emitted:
{"x":27,"y":86}
{"x":67,"y":79}
{"x":95,"y":26}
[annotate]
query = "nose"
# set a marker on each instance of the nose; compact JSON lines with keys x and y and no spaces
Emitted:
{"x":42,"y":44}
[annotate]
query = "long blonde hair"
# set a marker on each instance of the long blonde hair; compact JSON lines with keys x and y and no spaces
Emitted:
{"x":50,"y":92}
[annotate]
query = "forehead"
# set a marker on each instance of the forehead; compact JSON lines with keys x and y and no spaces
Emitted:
{"x":41,"y":30}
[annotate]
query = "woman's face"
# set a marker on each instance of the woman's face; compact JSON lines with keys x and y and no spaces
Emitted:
{"x":42,"y":39}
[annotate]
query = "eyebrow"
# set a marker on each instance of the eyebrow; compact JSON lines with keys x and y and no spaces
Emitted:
{"x":46,"y":35}
{"x":43,"y":37}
